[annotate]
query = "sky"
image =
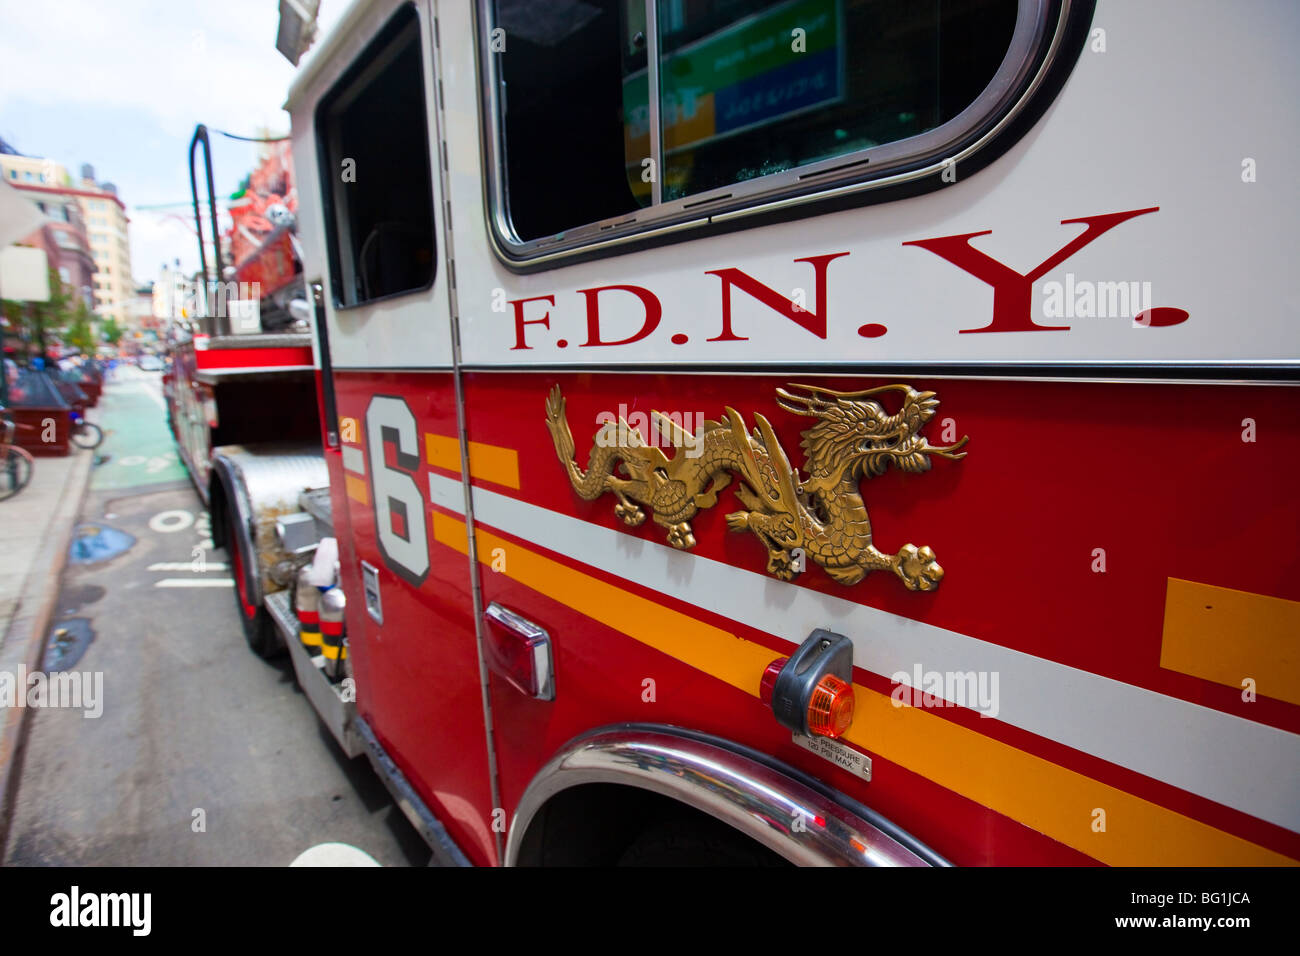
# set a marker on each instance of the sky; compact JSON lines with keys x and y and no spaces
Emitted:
{"x":121,"y":84}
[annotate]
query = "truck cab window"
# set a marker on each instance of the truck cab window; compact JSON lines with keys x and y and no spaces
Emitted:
{"x":561,"y":78}
{"x":749,"y":89}
{"x":754,"y":101}
{"x":376,"y":175}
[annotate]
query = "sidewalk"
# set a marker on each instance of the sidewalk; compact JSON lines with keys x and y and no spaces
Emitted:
{"x":35,"y":531}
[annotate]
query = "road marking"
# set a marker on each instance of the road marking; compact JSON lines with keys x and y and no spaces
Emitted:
{"x":168,"y":521}
{"x":195,"y":583}
{"x":334,"y":854}
{"x":188,"y":566}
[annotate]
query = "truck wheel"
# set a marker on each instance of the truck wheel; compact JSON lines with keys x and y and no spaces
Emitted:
{"x":259,"y":629}
{"x":696,"y":842}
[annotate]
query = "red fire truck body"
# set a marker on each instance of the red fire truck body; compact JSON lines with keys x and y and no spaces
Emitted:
{"x":588,"y":483}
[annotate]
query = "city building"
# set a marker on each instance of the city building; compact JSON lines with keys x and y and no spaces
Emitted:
{"x":143,"y":330}
{"x":172,"y":294}
{"x":65,"y":240}
{"x":108,"y":225}
{"x":27,"y":170}
{"x":104,"y":217}
{"x":67,"y":245}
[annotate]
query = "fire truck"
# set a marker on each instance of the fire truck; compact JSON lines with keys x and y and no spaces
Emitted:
{"x":821,"y":431}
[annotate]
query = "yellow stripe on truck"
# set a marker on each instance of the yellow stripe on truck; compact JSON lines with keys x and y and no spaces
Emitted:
{"x":717,"y":652}
{"x":1051,"y":799}
{"x":356,"y":489}
{"x":1047,"y":797}
{"x":492,"y":463}
{"x":1228,"y":637}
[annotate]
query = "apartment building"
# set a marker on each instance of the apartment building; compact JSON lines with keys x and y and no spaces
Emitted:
{"x":106,"y":223}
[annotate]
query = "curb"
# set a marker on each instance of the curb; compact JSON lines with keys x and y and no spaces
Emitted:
{"x":25,"y":640}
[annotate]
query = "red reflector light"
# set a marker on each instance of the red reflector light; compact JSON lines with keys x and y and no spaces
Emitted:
{"x":830,"y":709}
{"x":521,"y":660}
{"x":769,"y":680}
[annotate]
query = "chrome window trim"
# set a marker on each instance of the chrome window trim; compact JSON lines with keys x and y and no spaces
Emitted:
{"x":753,"y":798}
{"x":654,"y":91}
{"x":1089,"y":372}
{"x":766,"y":194}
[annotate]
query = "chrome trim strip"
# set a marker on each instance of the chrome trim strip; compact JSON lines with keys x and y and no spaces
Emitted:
{"x":756,"y":800}
{"x":493,"y":150}
{"x":652,"y":86}
{"x":916,"y":369}
{"x":1031,"y":30}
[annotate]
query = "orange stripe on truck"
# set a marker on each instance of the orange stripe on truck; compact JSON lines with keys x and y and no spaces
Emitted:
{"x":356,"y":488}
{"x":1228,"y":636}
{"x":493,"y":463}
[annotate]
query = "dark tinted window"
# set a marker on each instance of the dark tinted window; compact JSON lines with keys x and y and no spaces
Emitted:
{"x":747,"y":89}
{"x":561,"y":103}
{"x":745,"y":93}
{"x":373,"y":134}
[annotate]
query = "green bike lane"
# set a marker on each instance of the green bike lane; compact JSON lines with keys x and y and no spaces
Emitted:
{"x":137,"y":443}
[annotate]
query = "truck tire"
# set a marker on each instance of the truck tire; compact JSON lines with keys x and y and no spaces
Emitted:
{"x":259,"y":629}
{"x":696,"y":842}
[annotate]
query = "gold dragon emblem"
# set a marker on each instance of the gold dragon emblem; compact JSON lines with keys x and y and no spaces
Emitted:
{"x":816,"y":512}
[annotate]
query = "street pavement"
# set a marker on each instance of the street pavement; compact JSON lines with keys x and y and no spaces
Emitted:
{"x":25,"y":523}
{"x":203,"y":754}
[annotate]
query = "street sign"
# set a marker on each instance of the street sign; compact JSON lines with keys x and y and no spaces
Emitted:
{"x":24,"y":274}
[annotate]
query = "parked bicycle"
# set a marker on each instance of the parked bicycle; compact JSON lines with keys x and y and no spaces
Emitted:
{"x":85,"y":434}
{"x":16,"y":463}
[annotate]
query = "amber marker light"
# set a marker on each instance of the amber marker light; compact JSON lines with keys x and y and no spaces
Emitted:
{"x":830,"y":709}
{"x":811,"y":691}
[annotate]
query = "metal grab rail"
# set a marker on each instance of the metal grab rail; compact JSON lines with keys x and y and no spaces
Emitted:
{"x":201,"y":136}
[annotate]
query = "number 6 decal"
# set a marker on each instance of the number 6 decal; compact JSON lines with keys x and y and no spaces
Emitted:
{"x":399,"y":507}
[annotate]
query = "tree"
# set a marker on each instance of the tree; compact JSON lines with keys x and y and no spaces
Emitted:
{"x":15,"y":314}
{"x":110,"y":331}
{"x":31,"y":321}
{"x":79,"y":333}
